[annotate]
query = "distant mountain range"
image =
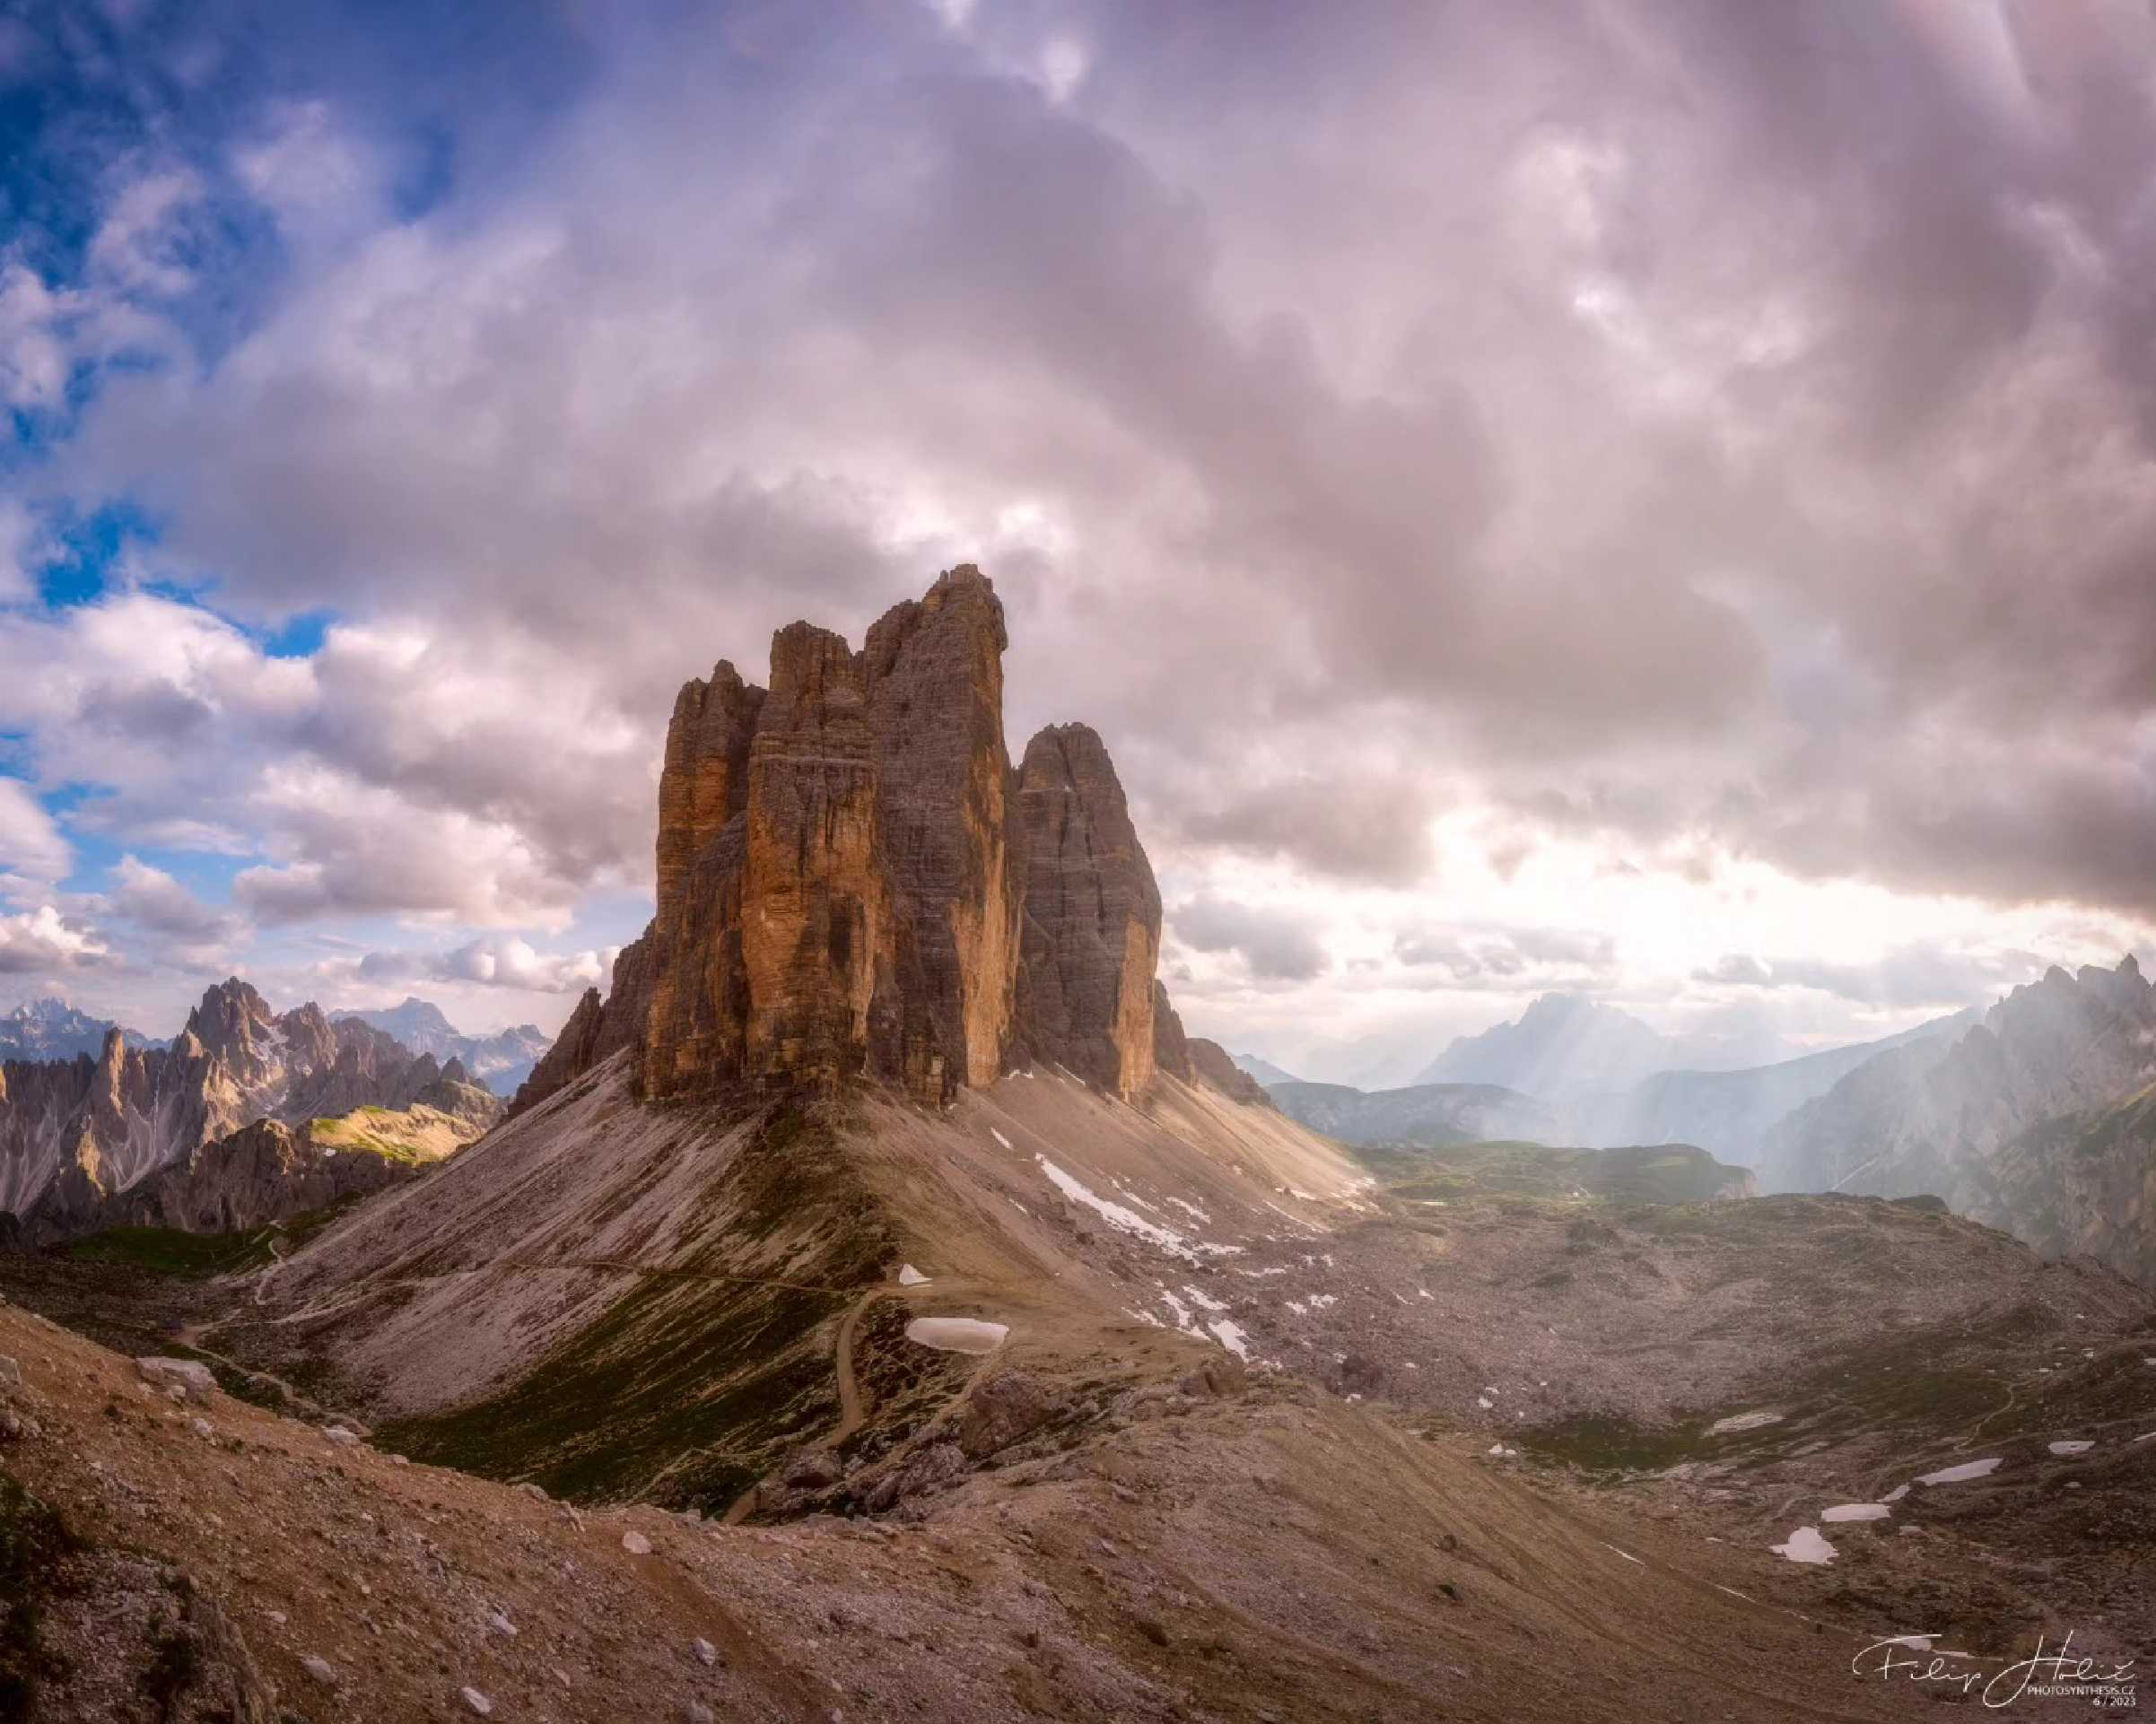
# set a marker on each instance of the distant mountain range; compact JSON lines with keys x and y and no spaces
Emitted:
{"x":1732,"y":1112}
{"x":1264,"y":1070}
{"x":135,"y":1134}
{"x":500,"y":1061}
{"x":52,"y":1029}
{"x":1565,"y":1046}
{"x":2028,"y":1121}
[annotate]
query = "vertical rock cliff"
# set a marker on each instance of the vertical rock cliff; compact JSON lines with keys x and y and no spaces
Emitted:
{"x":853,"y":882}
{"x":1092,"y":942}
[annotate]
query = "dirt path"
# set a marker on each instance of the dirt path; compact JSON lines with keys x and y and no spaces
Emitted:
{"x":851,"y":1410}
{"x":262,"y":1281}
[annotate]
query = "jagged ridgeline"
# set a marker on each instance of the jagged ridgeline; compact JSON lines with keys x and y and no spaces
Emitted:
{"x":854,"y":881}
{"x":247,"y":1116}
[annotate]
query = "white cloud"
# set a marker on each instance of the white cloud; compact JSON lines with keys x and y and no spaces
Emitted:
{"x":19,"y":536}
{"x":140,"y":246}
{"x":498,"y":962}
{"x":42,"y":941}
{"x":394,"y":772}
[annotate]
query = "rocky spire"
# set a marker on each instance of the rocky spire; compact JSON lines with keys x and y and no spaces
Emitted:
{"x":837,"y":893}
{"x":852,"y":882}
{"x":1086,"y":993}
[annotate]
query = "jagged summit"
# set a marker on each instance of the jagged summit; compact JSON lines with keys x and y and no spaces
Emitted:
{"x":52,"y":1028}
{"x":853,"y":881}
{"x":78,"y":1134}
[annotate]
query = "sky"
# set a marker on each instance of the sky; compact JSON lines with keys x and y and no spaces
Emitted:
{"x":1654,"y":499}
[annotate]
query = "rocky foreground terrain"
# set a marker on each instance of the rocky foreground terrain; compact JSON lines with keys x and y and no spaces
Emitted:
{"x":877,"y":1307}
{"x":1550,"y":1490}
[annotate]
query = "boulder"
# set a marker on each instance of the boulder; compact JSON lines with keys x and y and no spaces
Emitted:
{"x":1006,"y":1407}
{"x":191,"y":1377}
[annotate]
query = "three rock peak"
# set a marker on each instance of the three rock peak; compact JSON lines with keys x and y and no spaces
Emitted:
{"x":853,"y":880}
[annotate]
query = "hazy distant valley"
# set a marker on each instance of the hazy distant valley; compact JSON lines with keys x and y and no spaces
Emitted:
{"x":2032,"y":1116}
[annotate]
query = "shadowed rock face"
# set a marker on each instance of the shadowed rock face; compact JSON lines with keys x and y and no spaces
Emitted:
{"x":1092,"y":915}
{"x":853,"y":882}
{"x":836,"y":889}
{"x":1171,"y":1046}
{"x":1210,"y":1064}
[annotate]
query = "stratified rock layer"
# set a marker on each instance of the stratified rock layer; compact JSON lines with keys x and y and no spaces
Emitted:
{"x":853,"y":882}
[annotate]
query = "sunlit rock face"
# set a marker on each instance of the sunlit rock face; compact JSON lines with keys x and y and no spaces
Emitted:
{"x":853,"y":882}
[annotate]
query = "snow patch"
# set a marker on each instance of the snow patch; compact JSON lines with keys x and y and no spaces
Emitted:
{"x":1205,"y":1301}
{"x":2071,"y":1448}
{"x":997,"y":1135}
{"x":1122,"y":1219}
{"x":1231,"y":1336}
{"x":909,"y":1277}
{"x":956,"y":1333}
{"x":1968,"y":1469}
{"x":1624,"y":1553}
{"x":1856,"y":1511}
{"x":1805,"y":1546}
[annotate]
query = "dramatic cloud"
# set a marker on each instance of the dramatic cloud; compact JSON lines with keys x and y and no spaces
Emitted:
{"x":1711,"y":442}
{"x":1912,"y":977}
{"x":33,"y":851}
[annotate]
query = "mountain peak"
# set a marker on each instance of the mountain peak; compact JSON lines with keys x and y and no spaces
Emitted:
{"x":853,"y":881}
{"x":1562,"y":1044}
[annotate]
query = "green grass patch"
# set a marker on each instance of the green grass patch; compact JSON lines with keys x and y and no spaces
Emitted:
{"x":1608,"y":1443}
{"x":167,"y":1250}
{"x":1539,"y":1173}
